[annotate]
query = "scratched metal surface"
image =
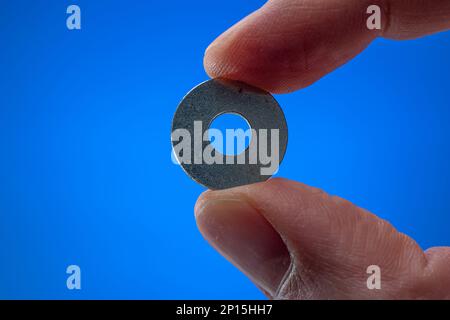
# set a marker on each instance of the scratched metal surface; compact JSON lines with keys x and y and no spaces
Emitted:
{"x":215,"y":97}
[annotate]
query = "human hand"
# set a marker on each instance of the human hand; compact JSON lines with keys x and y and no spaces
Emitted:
{"x":295,"y":241}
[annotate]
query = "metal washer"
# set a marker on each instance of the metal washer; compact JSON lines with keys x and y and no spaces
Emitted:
{"x":214,"y":97}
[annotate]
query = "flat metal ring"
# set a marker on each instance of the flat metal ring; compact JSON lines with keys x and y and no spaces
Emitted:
{"x":213,"y":98}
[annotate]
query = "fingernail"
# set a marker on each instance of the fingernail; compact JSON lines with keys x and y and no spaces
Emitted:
{"x":242,"y":235}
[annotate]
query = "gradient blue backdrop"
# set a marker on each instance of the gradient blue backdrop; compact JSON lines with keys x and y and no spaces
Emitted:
{"x":85,"y":170}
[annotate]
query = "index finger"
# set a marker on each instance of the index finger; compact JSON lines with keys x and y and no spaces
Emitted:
{"x":289,"y":44}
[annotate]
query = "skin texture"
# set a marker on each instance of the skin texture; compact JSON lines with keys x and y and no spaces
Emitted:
{"x":289,"y":44}
{"x":294,"y":241}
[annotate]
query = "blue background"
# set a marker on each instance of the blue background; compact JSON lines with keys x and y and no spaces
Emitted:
{"x":85,"y":171}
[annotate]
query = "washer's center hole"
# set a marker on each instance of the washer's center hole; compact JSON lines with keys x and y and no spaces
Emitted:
{"x":230,"y":134}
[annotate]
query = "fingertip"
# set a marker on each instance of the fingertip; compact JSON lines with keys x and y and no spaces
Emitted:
{"x":242,"y":235}
{"x":287,"y":45}
{"x":201,"y":201}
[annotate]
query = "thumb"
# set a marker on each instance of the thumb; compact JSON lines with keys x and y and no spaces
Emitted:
{"x":297,"y":242}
